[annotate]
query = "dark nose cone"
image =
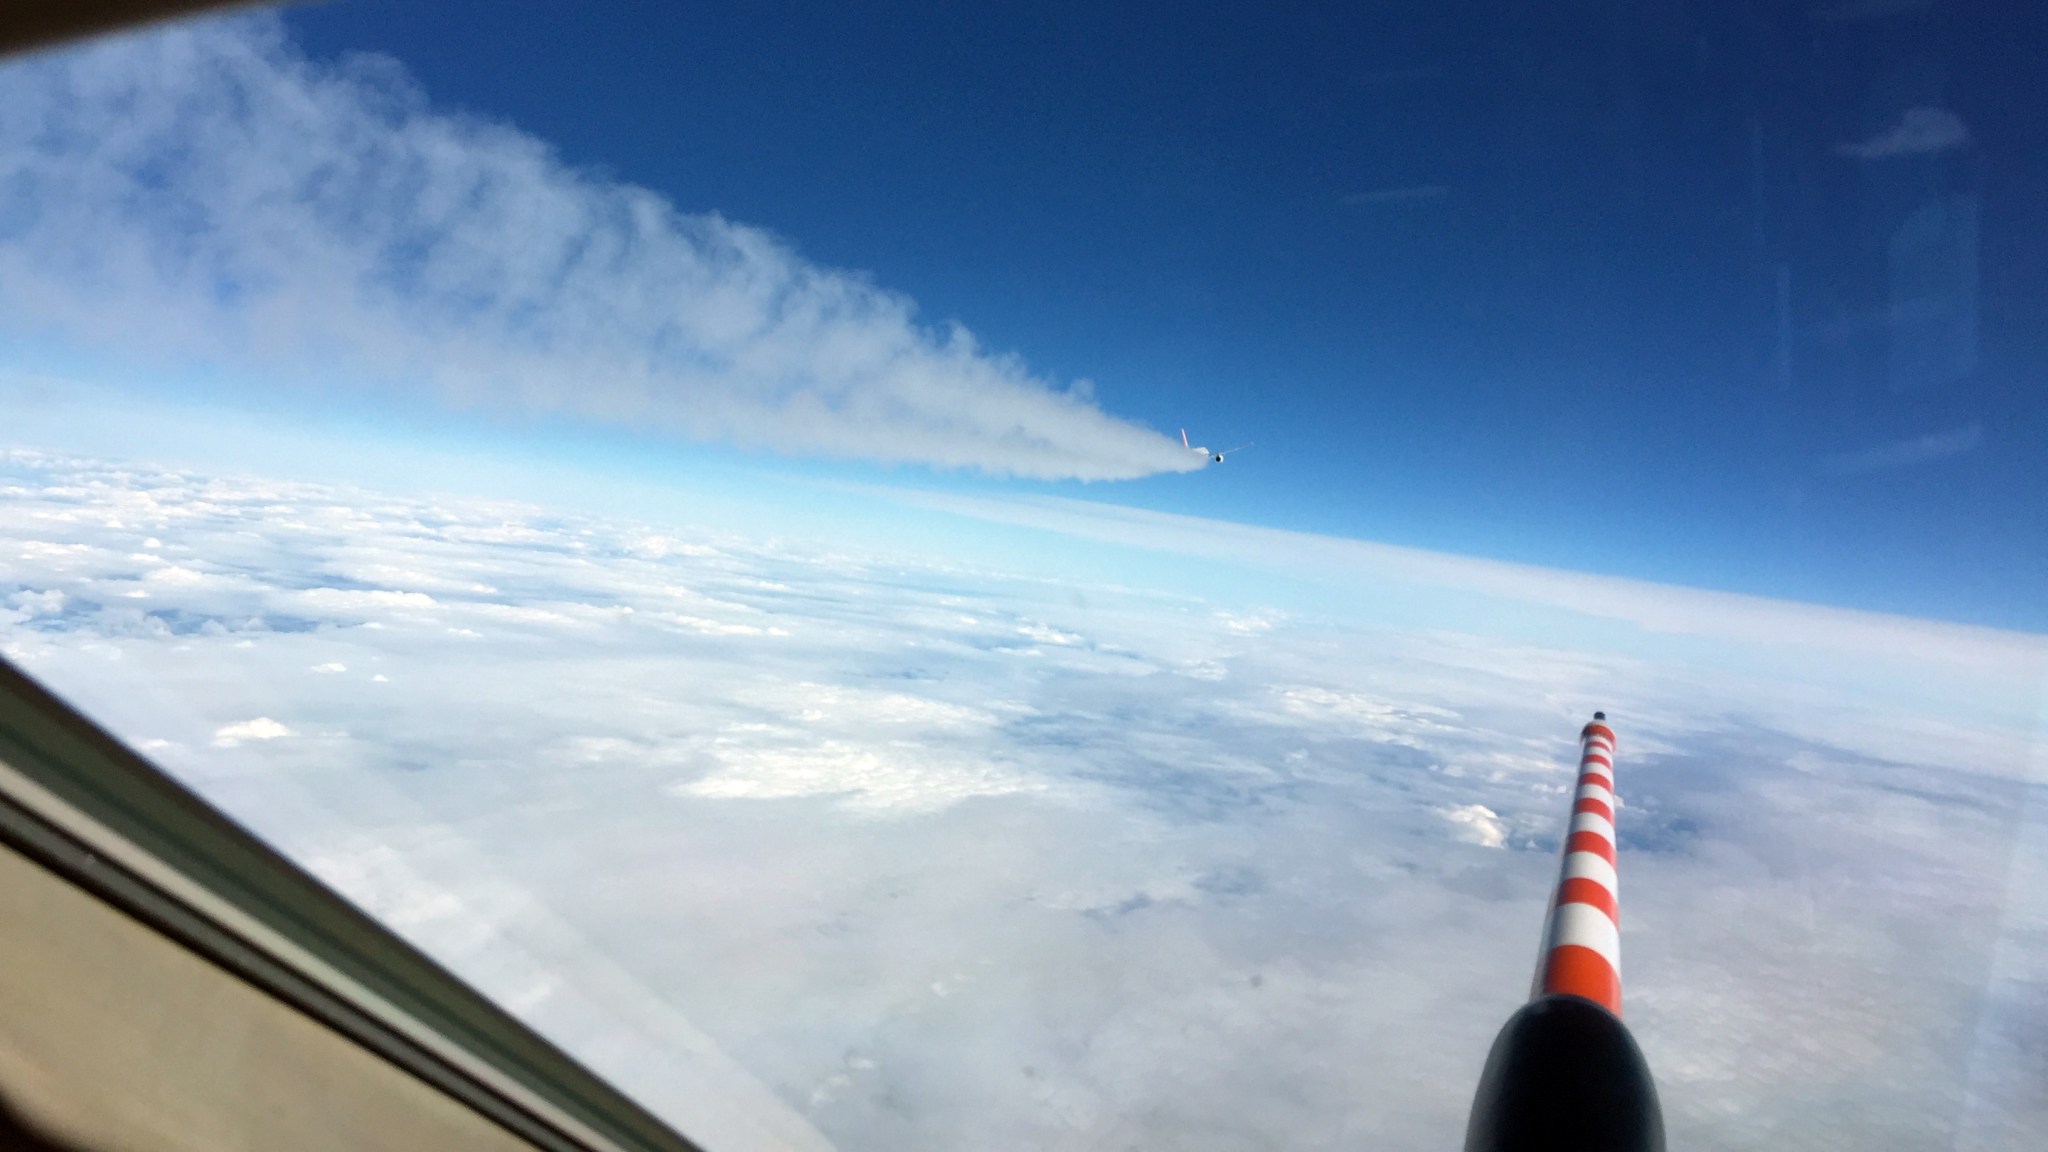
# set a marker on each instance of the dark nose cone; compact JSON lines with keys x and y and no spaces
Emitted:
{"x":1565,"y":1074}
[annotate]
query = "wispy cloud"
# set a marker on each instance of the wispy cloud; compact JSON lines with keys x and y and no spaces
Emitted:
{"x":208,"y":196}
{"x":1412,"y":194}
{"x":1919,"y":131}
{"x":1906,"y":453}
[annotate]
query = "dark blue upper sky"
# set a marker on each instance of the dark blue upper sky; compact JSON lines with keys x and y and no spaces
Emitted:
{"x":1729,"y":294}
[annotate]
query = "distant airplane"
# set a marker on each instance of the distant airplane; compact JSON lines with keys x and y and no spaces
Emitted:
{"x":1214,"y":457}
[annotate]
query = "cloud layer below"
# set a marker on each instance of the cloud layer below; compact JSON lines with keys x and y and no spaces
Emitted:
{"x":209,"y":197}
{"x":805,"y":843}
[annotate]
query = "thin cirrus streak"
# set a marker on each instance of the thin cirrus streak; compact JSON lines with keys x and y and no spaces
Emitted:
{"x":1582,"y":942}
{"x":206,"y":197}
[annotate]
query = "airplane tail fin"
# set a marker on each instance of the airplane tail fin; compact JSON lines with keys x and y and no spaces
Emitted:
{"x":1184,"y":440}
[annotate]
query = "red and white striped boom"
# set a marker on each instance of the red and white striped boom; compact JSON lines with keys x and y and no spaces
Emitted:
{"x":1564,"y":1072}
{"x":1582,"y":939}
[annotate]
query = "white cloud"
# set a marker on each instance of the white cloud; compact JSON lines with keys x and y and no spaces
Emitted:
{"x":173,"y":574}
{"x":261,"y":728}
{"x":206,"y":194}
{"x":45,"y":603}
{"x":1920,"y":131}
{"x":894,"y":778}
{"x":1477,"y":824}
{"x":1245,"y":625}
{"x":356,"y":602}
{"x":1043,"y":634}
{"x":717,"y":627}
{"x":1380,"y":720}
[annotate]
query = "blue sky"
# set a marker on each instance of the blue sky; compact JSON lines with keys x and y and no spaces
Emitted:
{"x":1609,"y":288}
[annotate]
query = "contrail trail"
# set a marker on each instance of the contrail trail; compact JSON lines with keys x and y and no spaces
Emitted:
{"x":205,"y":198}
